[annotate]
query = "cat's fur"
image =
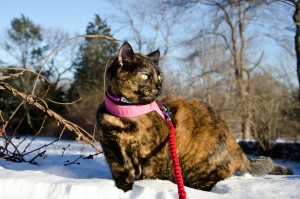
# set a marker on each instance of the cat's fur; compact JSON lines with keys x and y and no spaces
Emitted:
{"x":137,"y":148}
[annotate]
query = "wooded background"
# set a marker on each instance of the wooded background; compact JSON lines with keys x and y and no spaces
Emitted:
{"x":241,"y":57}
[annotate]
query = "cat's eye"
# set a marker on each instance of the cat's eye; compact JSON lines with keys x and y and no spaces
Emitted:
{"x":159,"y":77}
{"x":144,"y":76}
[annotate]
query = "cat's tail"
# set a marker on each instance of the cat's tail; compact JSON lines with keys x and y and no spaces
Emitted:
{"x":263,"y":166}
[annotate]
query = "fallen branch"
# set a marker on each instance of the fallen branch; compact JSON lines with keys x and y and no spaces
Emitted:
{"x":16,"y":156}
{"x":33,"y":100}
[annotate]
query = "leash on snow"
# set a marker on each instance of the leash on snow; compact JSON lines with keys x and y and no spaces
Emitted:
{"x":174,"y":156}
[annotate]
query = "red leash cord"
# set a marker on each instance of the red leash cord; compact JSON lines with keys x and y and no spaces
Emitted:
{"x":174,"y":156}
{"x":175,"y":160}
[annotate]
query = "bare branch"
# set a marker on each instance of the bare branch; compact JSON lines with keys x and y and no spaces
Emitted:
{"x":65,"y":44}
{"x":30,"y":99}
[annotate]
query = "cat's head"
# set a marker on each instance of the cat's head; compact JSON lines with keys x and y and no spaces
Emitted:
{"x":134,"y":76}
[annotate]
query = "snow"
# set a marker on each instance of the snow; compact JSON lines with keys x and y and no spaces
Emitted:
{"x":92,"y":179}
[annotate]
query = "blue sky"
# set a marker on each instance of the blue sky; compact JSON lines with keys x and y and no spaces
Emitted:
{"x":69,"y":15}
{"x":72,"y":16}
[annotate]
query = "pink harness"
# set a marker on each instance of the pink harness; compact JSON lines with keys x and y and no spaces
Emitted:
{"x":127,"y":111}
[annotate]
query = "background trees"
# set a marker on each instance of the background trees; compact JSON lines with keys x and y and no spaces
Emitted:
{"x":237,"y":32}
{"x":227,"y":53}
{"x":231,"y":29}
{"x":93,"y":56}
{"x":24,"y":44}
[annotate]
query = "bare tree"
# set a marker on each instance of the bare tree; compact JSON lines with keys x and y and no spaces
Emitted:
{"x":207,"y":72}
{"x":269,"y":99}
{"x":150,"y":24}
{"x":296,"y":18}
{"x":231,"y":21}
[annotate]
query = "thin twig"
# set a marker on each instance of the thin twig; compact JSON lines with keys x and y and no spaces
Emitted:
{"x":60,"y":135}
{"x":35,"y":157}
{"x":104,"y":75}
{"x":41,"y":127}
{"x":62,"y":103}
{"x":20,"y":142}
{"x":12,"y":115}
{"x":23,"y":70}
{"x":67,"y":163}
{"x":91,"y":156}
{"x":64,"y":150}
{"x":19,"y":124}
{"x":24,"y":154}
{"x":17,"y":155}
{"x":287,"y":2}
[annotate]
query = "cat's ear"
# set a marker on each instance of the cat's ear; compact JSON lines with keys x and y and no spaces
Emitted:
{"x":125,"y":53}
{"x":154,"y":56}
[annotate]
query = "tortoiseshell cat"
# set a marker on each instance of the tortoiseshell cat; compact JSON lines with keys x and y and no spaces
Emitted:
{"x":137,"y":147}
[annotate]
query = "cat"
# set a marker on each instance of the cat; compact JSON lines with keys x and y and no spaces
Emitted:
{"x":136,"y":145}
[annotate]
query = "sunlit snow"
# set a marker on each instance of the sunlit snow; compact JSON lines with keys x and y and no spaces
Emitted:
{"x":91,"y":178}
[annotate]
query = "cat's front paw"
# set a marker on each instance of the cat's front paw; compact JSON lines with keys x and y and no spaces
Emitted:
{"x":124,"y":186}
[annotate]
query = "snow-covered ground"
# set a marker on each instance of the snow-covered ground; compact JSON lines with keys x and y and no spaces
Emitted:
{"x":91,"y":178}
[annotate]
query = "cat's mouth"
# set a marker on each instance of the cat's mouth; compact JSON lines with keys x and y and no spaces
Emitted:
{"x":145,"y":96}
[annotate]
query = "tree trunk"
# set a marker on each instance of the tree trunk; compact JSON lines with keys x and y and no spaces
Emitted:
{"x":296,"y":19}
{"x":246,"y":128}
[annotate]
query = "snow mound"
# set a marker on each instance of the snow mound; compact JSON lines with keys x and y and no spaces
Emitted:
{"x":91,"y":179}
